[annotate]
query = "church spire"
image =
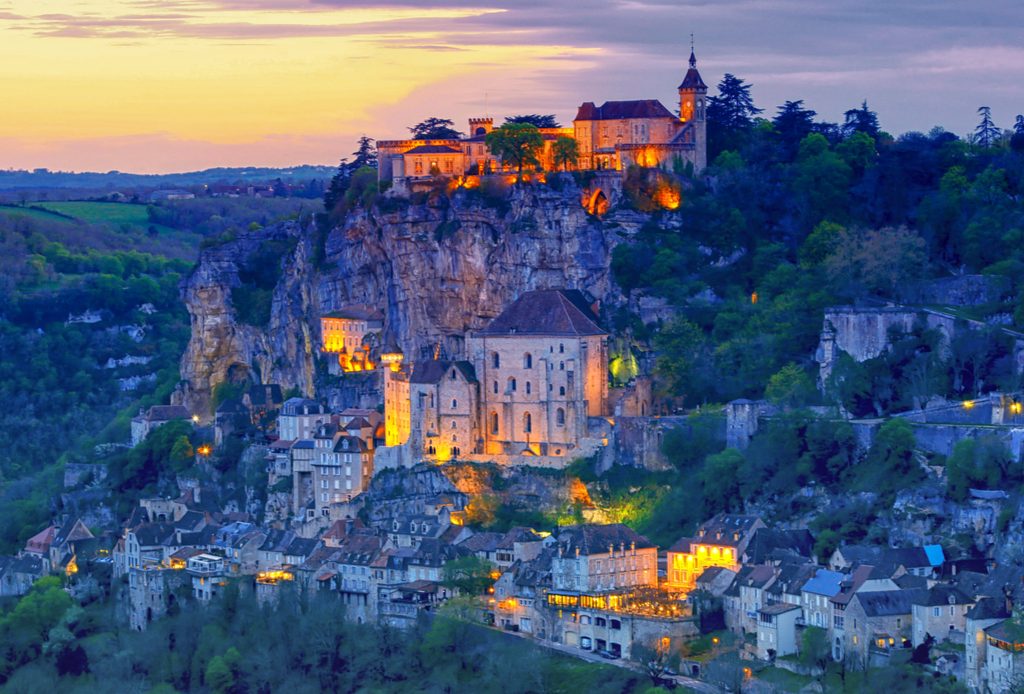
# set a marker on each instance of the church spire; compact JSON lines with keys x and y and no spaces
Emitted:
{"x":693,"y":58}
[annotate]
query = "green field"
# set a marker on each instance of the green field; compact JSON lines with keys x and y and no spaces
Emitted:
{"x":14,"y":210}
{"x":101,"y":212}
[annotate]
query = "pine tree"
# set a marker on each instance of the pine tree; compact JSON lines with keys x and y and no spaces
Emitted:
{"x":986,"y":134}
{"x":733,"y":108}
{"x":794,"y":122}
{"x":365,"y":155}
{"x":861,"y":120}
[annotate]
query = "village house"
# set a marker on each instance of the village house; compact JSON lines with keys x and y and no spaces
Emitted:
{"x":299,"y":418}
{"x":721,"y":541}
{"x":342,"y":466}
{"x":156,"y":416}
{"x":603,"y":558}
{"x":816,"y":597}
{"x":878,"y":621}
{"x":1004,"y":654}
{"x":17,"y":574}
{"x":776,"y":630}
{"x":940,"y":612}
{"x":347,"y":335}
{"x":986,"y":612}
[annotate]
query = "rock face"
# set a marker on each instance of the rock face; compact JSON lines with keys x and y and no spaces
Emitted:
{"x":436,"y":269}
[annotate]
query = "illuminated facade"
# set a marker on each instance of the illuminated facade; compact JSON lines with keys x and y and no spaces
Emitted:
{"x":603,"y":559}
{"x":534,"y":377}
{"x":614,"y":136}
{"x":719,"y":542}
{"x":346,"y":333}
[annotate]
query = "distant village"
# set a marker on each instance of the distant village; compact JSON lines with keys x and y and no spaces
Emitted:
{"x":532,"y":390}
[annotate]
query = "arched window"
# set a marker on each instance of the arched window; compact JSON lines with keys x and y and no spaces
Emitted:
{"x":561,"y":347}
{"x":494,"y":422}
{"x":561,"y":390}
{"x":527,"y":361}
{"x":528,"y":387}
{"x":560,"y":417}
{"x":495,"y":387}
{"x":453,"y":424}
{"x":495,"y":360}
{"x":511,"y":387}
{"x":527,"y":423}
{"x":561,"y":366}
{"x":455,"y":404}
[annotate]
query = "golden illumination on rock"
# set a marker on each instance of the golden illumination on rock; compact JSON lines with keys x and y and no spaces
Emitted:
{"x":667,"y":196}
{"x":274,"y":576}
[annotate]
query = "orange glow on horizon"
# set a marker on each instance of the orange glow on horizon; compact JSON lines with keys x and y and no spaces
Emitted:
{"x":116,"y":84}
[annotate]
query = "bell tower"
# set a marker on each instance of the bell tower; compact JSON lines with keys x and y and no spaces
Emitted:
{"x":693,"y":108}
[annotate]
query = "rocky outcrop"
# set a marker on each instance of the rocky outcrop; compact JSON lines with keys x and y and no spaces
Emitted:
{"x":436,"y":269}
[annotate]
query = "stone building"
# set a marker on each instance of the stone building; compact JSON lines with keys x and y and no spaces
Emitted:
{"x":534,"y":380}
{"x":342,"y":466}
{"x":601,"y":558}
{"x":614,"y":135}
{"x":347,"y":333}
{"x":720,"y":542}
{"x":156,"y":416}
{"x":299,"y":418}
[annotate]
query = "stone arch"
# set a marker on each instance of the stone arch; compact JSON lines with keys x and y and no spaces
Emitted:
{"x":595,"y":202}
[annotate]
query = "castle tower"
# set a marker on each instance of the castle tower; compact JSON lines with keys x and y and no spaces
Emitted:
{"x":693,"y":109}
{"x":480,"y":126}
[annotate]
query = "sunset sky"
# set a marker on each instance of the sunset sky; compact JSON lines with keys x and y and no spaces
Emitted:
{"x":174,"y":85}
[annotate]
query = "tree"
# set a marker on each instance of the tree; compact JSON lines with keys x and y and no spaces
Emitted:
{"x":435,"y":129}
{"x":981,"y":463}
{"x":790,"y":387}
{"x":338,"y":185}
{"x":516,"y":144}
{"x":733,"y":108}
{"x":814,"y":648}
{"x":876,"y":261}
{"x":890,"y":460}
{"x":566,"y":152}
{"x":471,"y":575}
{"x":1017,"y":139}
{"x":986,"y":133}
{"x":861,"y":120}
{"x":538,"y":121}
{"x":657,"y":660}
{"x":793,"y":122}
{"x":683,"y":357}
{"x":365,"y":154}
{"x":720,"y":478}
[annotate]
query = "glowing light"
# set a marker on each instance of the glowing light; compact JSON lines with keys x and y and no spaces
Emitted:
{"x":968,"y":404}
{"x":667,"y":197}
{"x":647,"y":158}
{"x":274,"y":577}
{"x":1015,"y":408}
{"x":72,"y":568}
{"x":753,"y":297}
{"x":195,"y":419}
{"x":204,"y":450}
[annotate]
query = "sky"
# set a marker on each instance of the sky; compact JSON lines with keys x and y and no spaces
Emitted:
{"x":155,"y":86}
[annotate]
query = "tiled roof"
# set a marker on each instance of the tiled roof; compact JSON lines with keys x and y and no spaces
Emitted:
{"x":433,"y":149}
{"x":766,"y":541}
{"x":619,"y":110}
{"x":546,"y":312}
{"x":165,"y":413}
{"x":692,"y":80}
{"x":940,"y":594}
{"x":886,"y":603}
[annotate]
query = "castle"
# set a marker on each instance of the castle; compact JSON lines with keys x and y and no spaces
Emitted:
{"x":532,"y":381}
{"x":612,"y":136}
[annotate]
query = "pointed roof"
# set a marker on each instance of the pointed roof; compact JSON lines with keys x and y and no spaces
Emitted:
{"x":692,"y":79}
{"x":546,"y":312}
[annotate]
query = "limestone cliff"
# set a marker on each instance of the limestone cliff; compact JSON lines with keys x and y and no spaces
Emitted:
{"x":437,"y":270}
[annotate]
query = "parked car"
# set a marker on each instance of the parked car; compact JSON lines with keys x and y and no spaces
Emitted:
{"x":607,"y":655}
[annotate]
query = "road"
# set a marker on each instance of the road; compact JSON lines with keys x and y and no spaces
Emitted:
{"x":683,"y":681}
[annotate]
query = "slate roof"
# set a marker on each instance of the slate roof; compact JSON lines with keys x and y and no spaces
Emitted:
{"x":692,"y":79}
{"x":989,"y":608}
{"x":433,"y":149}
{"x":766,"y":543}
{"x":355,"y":445}
{"x":778,"y":608}
{"x":302,"y":546}
{"x":620,"y":110}
{"x":165,"y":413}
{"x":886,"y":603}
{"x":725,"y":529}
{"x":482,"y":542}
{"x":825,"y":582}
{"x":791,"y":578}
{"x":299,"y":406}
{"x":433,"y":370}
{"x":941,"y":594}
{"x":546,"y":312}
{"x":595,"y":539}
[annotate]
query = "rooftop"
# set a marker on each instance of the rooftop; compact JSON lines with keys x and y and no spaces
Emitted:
{"x":546,"y":312}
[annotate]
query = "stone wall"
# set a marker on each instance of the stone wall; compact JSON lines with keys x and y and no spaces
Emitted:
{"x":961,"y":290}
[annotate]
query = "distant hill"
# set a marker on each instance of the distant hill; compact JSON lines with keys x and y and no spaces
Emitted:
{"x":111,"y":180}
